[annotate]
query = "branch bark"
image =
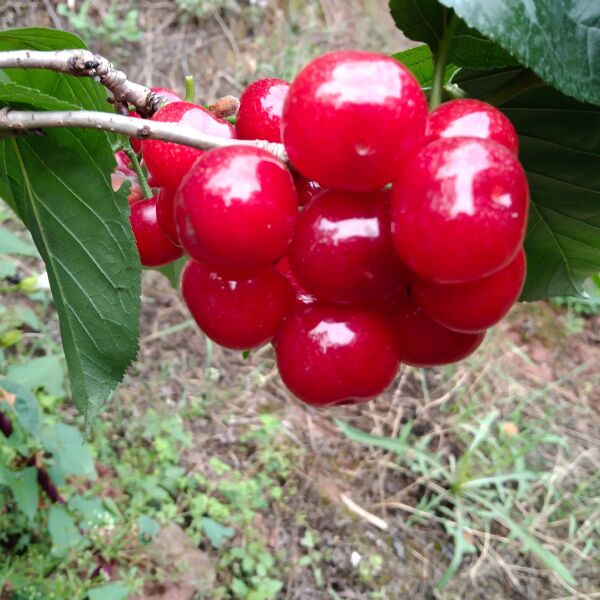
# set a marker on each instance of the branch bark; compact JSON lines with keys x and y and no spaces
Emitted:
{"x":20,"y":122}
{"x":83,"y":63}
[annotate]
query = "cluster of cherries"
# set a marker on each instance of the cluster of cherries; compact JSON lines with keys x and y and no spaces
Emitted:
{"x":393,"y":236}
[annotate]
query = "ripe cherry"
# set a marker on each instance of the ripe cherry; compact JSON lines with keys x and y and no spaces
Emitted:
{"x":236,"y":209}
{"x":422,"y":342}
{"x":351,"y":119}
{"x":471,"y":118}
{"x":169,"y":96}
{"x":261,"y":106}
{"x":342,"y":249}
{"x":476,"y":305}
{"x":459,"y":210}
{"x":169,"y":162}
{"x":302,"y":296}
{"x":328,"y":354}
{"x":238,"y":314}
{"x":165,"y":215}
{"x":154,"y":248}
{"x":306,"y":189}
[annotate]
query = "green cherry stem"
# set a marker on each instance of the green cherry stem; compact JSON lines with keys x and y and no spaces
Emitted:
{"x":190,"y":88}
{"x":440,"y":62}
{"x":135,"y":163}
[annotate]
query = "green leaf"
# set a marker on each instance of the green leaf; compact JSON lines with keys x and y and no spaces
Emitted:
{"x":12,"y":244}
{"x":426,"y":20}
{"x":45,"y":372}
{"x":420,"y":62}
{"x":62,"y":529}
{"x":24,"y":488}
{"x":79,"y":91}
{"x":560,"y":150}
{"x":70,"y":454}
{"x":216,"y":532}
{"x":172,"y":271}
{"x":149,"y":527}
{"x":25,"y":407}
{"x":20,"y":96}
{"x":558,"y":40}
{"x":109,"y":591}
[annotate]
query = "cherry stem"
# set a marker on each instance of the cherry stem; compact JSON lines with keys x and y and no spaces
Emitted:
{"x":135,"y":163}
{"x":440,"y":61}
{"x":190,"y":89}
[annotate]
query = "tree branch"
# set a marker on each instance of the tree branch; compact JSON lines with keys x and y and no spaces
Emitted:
{"x":21,"y":121}
{"x":83,"y":63}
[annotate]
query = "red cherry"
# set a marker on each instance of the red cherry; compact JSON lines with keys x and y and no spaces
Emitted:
{"x":169,"y":96}
{"x":459,"y":210}
{"x":471,"y":118}
{"x":261,"y":106}
{"x":123,"y":173}
{"x":302,"y":296}
{"x":306,"y":189}
{"x":154,"y":248}
{"x":169,"y":162}
{"x":165,"y":215}
{"x":342,"y":249}
{"x":423,"y":342}
{"x":476,"y":305}
{"x":328,"y":354}
{"x":236,"y":209}
{"x":351,"y":119}
{"x":238,"y":314}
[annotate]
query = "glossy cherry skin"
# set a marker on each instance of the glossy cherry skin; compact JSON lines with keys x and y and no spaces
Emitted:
{"x":342,"y":249}
{"x":302,"y":296}
{"x":471,"y":118}
{"x":169,"y":96}
{"x":237,"y":314}
{"x":351,"y":119}
{"x":154,"y":248}
{"x":236,"y":210}
{"x":305,"y":189}
{"x":423,"y":342}
{"x":165,"y":215}
{"x":168,"y":162}
{"x":459,"y":210}
{"x":261,"y":107}
{"x":476,"y":305}
{"x":329,"y":354}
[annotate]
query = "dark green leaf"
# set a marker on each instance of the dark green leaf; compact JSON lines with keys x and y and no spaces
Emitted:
{"x":80,"y":91}
{"x":560,"y":150}
{"x":24,"y":488}
{"x":80,"y":226}
{"x":62,"y":529}
{"x":558,"y":40}
{"x":69,"y":452}
{"x":420,"y":62}
{"x":149,"y":527}
{"x":60,"y":187}
{"x":20,"y":96}
{"x":45,"y":372}
{"x":25,"y":407}
{"x":426,"y":20}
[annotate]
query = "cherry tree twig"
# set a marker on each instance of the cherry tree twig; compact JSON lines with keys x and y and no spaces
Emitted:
{"x":21,"y":121}
{"x":83,"y":63}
